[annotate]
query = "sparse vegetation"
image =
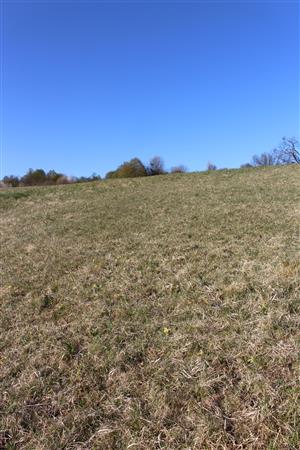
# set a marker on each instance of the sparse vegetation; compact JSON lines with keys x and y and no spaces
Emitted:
{"x":157,"y":312}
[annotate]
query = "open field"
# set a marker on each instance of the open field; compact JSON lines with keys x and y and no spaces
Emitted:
{"x":152,"y":313}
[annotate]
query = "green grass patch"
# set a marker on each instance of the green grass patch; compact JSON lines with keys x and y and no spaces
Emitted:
{"x":13,"y":194}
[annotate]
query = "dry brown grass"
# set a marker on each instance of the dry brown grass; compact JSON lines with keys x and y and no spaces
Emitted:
{"x":156,"y":313}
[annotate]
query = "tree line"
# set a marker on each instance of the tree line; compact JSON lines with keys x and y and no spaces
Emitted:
{"x":39,"y":177}
{"x":129,"y":169}
{"x":287,"y":152}
{"x":135,"y":168}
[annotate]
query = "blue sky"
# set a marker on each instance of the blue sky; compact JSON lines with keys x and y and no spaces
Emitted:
{"x":87,"y":85}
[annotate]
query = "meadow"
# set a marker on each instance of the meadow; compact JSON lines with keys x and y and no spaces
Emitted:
{"x":152,"y":313}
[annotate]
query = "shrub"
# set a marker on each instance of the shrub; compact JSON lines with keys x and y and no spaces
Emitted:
{"x":179,"y":169}
{"x":11,"y":181}
{"x":93,"y":177}
{"x":63,"y":179}
{"x":246,"y":166}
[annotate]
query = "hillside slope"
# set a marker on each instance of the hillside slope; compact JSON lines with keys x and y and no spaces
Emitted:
{"x":152,"y":313}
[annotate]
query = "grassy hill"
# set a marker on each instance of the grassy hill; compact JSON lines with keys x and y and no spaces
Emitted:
{"x":154,"y":313}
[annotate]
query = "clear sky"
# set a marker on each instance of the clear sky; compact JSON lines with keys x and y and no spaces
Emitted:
{"x":87,"y":85}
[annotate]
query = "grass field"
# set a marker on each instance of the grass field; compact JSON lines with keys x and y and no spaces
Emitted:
{"x":152,"y":313}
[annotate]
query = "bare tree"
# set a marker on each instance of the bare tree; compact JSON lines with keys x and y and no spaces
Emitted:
{"x":211,"y":166}
{"x":265,"y":159}
{"x":288,"y":151}
{"x":156,"y":166}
